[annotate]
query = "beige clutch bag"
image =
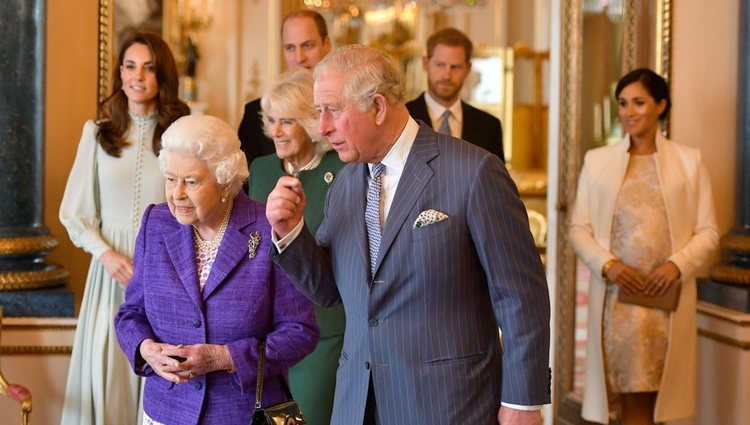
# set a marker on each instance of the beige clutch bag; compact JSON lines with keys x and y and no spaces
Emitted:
{"x":668,"y":301}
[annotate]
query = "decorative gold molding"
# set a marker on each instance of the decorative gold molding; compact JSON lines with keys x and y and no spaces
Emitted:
{"x":530,"y":183}
{"x":735,"y":243}
{"x":105,"y":43}
{"x":27,"y":326}
{"x":664,"y":38}
{"x":253,"y":83}
{"x":629,"y":37}
{"x":27,"y":245}
{"x":715,"y":311}
{"x":30,"y":327}
{"x":664,"y":49}
{"x":726,"y":272}
{"x":18,"y":350}
{"x":12,"y":281}
{"x":745,"y":346}
{"x":730,"y":274}
{"x":571,"y":28}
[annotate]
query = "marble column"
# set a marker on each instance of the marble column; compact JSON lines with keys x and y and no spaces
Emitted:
{"x":729,"y":285}
{"x":24,"y":239}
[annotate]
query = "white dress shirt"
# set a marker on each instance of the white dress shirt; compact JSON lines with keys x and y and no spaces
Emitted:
{"x":436,"y":110}
{"x":394,"y":162}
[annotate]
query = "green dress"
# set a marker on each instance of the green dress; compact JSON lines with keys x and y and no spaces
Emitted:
{"x":312,"y":380}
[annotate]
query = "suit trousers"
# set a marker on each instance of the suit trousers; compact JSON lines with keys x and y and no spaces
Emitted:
{"x":371,"y":410}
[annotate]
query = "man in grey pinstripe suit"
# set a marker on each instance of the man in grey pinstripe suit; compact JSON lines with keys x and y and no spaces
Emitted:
{"x":456,"y":260}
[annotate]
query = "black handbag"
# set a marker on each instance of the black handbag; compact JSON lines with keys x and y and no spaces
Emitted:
{"x":286,"y":413}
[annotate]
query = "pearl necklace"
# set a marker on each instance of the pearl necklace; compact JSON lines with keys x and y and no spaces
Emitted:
{"x":310,"y":165}
{"x":213,"y":245}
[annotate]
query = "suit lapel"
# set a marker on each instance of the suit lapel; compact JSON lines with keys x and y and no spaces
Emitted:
{"x":234,"y":245}
{"x":612,"y":175}
{"x":359,"y":201}
{"x":671,"y":179}
{"x":357,"y":198}
{"x":181,"y":249}
{"x":421,"y":112}
{"x":467,"y":131}
{"x":413,"y":180}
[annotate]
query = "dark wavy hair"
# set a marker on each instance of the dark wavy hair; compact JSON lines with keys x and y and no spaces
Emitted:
{"x":114,"y":119}
{"x":654,"y":84}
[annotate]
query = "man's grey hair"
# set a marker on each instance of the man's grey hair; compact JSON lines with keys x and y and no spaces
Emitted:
{"x":212,"y":141}
{"x":368,"y":71}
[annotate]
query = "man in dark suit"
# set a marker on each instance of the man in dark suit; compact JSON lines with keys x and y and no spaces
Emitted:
{"x":426,"y":243}
{"x":448,"y":64}
{"x":305,"y":42}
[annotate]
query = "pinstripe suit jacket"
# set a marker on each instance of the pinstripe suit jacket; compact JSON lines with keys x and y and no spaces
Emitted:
{"x":424,"y":329}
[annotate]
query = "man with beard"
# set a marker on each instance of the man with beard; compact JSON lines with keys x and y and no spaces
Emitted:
{"x":448,"y":64}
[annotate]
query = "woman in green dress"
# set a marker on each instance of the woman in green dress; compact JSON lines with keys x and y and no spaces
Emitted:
{"x":291,"y":121}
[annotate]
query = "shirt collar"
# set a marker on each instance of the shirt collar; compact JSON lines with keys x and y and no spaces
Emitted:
{"x":436,"y":110}
{"x":395,"y":159}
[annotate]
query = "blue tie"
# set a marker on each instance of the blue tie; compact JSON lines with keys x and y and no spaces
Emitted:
{"x":372,"y":213}
{"x":445,"y":125}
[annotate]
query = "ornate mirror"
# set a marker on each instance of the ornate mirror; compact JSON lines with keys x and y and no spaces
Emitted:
{"x":601,"y":40}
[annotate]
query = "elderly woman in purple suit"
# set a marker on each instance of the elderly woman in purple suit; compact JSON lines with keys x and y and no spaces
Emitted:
{"x":204,"y":290}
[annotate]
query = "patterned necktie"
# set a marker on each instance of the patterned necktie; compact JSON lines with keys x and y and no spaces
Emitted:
{"x":445,"y":125}
{"x":372,"y":213}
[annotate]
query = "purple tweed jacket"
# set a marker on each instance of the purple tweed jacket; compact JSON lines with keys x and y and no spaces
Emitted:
{"x":244,"y":299}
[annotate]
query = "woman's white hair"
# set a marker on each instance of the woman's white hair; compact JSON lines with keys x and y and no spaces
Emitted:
{"x":291,"y":96}
{"x":368,"y":71}
{"x":212,"y":141}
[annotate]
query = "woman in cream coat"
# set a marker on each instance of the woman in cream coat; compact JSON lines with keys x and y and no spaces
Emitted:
{"x":115,"y":176}
{"x":686,"y":198}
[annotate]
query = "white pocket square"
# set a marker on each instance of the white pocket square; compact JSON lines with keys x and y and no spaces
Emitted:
{"x":428,"y":217}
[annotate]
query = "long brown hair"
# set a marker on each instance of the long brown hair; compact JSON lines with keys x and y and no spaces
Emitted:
{"x":114,"y":119}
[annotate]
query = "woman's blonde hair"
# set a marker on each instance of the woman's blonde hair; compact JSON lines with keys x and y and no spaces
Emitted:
{"x":291,"y":96}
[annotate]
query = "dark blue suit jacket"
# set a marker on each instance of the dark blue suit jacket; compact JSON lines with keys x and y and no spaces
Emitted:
{"x":479,"y":127}
{"x":253,"y":141}
{"x":424,"y":329}
{"x":244,"y":299}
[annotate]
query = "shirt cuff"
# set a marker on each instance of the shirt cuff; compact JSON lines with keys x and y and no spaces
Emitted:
{"x":520,"y":407}
{"x":282,"y":244}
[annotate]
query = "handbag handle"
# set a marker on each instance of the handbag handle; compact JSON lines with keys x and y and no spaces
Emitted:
{"x":261,"y":372}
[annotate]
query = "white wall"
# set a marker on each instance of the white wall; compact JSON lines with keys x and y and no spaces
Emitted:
{"x":38,"y":359}
{"x":704,"y":91}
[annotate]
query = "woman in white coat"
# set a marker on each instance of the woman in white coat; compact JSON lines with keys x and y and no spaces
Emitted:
{"x":643,"y":221}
